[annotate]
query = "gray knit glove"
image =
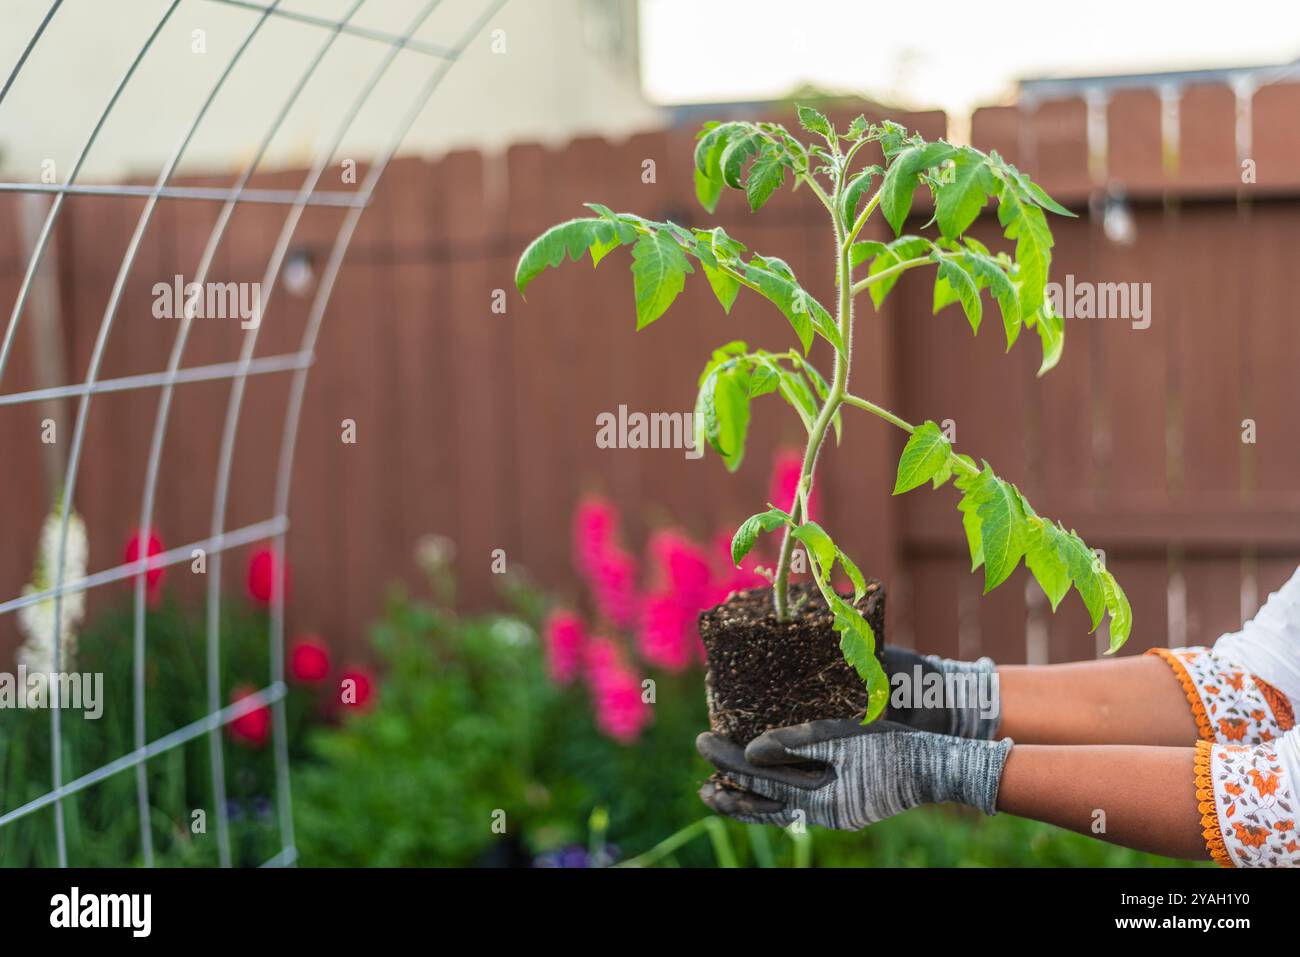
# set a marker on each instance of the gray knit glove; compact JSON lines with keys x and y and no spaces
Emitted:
{"x":969,"y":705}
{"x":844,"y":775}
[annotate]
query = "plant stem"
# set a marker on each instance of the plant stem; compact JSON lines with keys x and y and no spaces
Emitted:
{"x":864,"y":216}
{"x":839,"y":383}
{"x":879,"y":411}
{"x":893,"y":270}
{"x":868,"y":406}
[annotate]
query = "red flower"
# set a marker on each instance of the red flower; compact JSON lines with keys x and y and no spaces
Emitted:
{"x":154,"y":576}
{"x":254,"y":727}
{"x":357,"y":689}
{"x":309,"y":660}
{"x":261,"y":575}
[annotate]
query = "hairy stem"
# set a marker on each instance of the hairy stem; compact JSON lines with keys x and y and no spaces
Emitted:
{"x":893,"y":270}
{"x":834,"y":398}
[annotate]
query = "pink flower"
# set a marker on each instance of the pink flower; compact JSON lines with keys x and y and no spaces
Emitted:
{"x":154,"y":576}
{"x":563,"y":641}
{"x":261,"y":575}
{"x":668,"y":617}
{"x":784,"y":482}
{"x":664,"y":638}
{"x":620,"y":712}
{"x":683,"y":566}
{"x":613,"y":583}
{"x":599,"y":656}
{"x":595,"y":528}
{"x":609,"y":569}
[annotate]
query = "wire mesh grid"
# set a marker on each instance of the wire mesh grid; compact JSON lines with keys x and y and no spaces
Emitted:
{"x":324,"y":31}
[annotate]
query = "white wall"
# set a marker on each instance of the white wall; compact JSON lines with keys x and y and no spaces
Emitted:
{"x":569,"y":67}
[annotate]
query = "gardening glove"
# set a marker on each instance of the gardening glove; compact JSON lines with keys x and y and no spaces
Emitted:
{"x":844,"y":775}
{"x":970,"y":706}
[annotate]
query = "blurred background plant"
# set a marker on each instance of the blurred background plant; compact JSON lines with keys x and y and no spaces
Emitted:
{"x":103,"y":829}
{"x":537,"y":719}
{"x":547,"y":734}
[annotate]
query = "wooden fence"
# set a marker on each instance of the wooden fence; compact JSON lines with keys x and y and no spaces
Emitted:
{"x":481,"y":425}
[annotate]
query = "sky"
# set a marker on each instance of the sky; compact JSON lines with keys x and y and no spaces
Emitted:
{"x":939,"y":54}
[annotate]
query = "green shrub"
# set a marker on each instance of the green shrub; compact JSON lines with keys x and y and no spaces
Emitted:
{"x":101,"y":821}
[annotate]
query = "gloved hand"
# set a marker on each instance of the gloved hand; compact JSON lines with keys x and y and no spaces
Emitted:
{"x":844,"y":775}
{"x":970,"y":707}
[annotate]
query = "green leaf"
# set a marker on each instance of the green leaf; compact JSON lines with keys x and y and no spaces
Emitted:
{"x":713,"y":140}
{"x":858,"y":646}
{"x":814,"y":121}
{"x":925,"y":454}
{"x":970,"y":520}
{"x":724,"y":285}
{"x":854,"y":191}
{"x":731,"y":407}
{"x":708,"y":424}
{"x":572,"y":238}
{"x":898,"y":251}
{"x":1044,"y":558}
{"x":1039,"y":195}
{"x":823,"y":389}
{"x":1001,"y":528}
{"x":1051,"y":331}
{"x":860,"y":252}
{"x":766,"y":175}
{"x":1027,"y":225}
{"x":708,"y":191}
{"x":1085,"y":572}
{"x":989,"y":274}
{"x":855,"y":576}
{"x":958,"y":200}
{"x":1121,"y":615}
{"x":796,"y":392}
{"x":774,"y":280}
{"x":822,"y":320}
{"x":953,"y":283}
{"x":763,"y":380}
{"x":901,"y":179}
{"x":858,"y":128}
{"x":734,"y":156}
{"x":820,"y":547}
{"x":743,"y":541}
{"x":659,"y":268}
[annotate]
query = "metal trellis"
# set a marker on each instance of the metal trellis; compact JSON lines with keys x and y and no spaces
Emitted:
{"x":274,"y":529}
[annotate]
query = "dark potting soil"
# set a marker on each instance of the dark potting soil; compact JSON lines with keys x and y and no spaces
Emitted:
{"x":765,"y":674}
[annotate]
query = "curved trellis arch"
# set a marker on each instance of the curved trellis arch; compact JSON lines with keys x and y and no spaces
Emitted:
{"x":221,"y":539}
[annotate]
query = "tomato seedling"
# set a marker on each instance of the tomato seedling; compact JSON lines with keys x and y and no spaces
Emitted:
{"x":759,"y":158}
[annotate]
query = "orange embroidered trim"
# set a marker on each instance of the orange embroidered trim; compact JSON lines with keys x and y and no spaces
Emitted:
{"x":1206,"y":806}
{"x":1189,"y":689}
{"x":1282,"y":712}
